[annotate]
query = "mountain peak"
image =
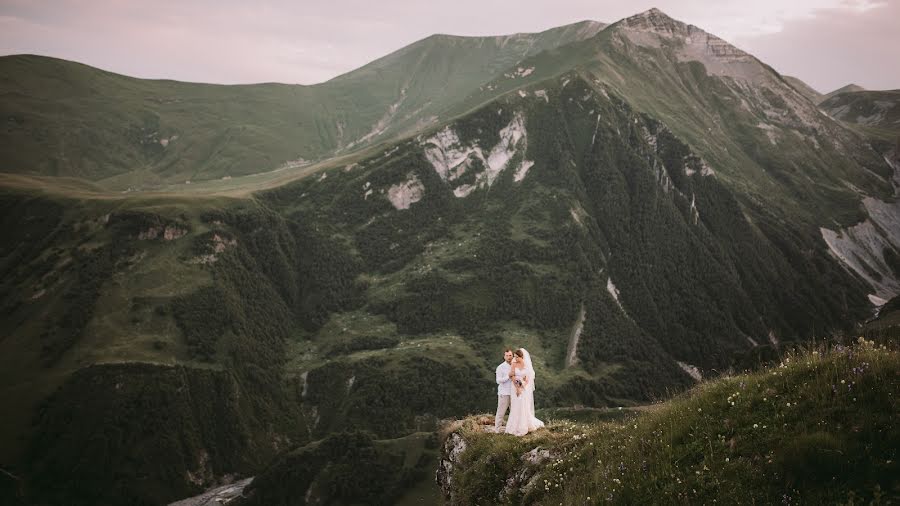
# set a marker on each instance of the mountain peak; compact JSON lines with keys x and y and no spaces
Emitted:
{"x":654,"y":12}
{"x":654,"y":28}
{"x":848,"y":88}
{"x":654,"y":20}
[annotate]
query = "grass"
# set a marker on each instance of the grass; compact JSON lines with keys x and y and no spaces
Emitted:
{"x":818,"y":428}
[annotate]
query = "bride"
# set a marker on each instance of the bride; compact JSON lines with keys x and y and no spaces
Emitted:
{"x":521,"y":410}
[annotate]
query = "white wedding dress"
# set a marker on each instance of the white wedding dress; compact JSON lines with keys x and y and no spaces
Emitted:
{"x":521,"y":419}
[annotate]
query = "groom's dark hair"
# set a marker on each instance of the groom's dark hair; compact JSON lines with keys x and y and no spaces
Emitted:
{"x":508,"y":349}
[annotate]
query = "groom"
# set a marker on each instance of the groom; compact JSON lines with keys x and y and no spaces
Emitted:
{"x":504,"y":387}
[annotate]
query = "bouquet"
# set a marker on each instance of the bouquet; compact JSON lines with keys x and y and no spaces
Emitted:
{"x":519,"y":386}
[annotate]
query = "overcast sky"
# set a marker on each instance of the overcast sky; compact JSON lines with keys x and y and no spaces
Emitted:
{"x":827,"y":43}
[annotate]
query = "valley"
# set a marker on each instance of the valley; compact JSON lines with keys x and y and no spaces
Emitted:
{"x":640,"y":204}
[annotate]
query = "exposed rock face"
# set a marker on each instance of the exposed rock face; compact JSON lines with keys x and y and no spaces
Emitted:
{"x":691,"y":370}
{"x":572,"y":350}
{"x":866,"y":248}
{"x":525,"y":478}
{"x":451,"y":158}
{"x":451,"y":454}
{"x":763,"y":91}
{"x":719,"y":57}
{"x":168,"y":233}
{"x":216,"y":496}
{"x":516,"y":486}
{"x":405,"y":194}
{"x":217,"y":245}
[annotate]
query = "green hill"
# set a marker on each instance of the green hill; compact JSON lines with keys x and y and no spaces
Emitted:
{"x":68,"y":119}
{"x":818,"y":429}
{"x":876,"y":113}
{"x":849,"y":88}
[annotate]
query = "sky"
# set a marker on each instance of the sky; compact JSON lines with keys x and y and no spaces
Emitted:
{"x":827,"y":43}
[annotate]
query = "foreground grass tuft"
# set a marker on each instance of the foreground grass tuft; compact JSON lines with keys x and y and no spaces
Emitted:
{"x":820,"y":428}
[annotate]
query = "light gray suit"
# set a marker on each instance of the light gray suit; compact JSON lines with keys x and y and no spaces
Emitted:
{"x":504,"y":390}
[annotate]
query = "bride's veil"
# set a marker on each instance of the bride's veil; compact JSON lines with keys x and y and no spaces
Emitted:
{"x":529,"y":367}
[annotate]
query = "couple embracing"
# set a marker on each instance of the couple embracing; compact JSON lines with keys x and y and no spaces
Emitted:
{"x":515,"y":390}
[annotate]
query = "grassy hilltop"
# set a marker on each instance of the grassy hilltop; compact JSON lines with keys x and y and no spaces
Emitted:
{"x":820,"y":428}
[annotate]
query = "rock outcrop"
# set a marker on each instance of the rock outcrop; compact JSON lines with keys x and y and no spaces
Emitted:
{"x":517,"y":485}
{"x":216,"y":496}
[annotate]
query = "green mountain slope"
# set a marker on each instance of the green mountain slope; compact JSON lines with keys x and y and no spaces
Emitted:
{"x":876,"y":113}
{"x":754,"y":130}
{"x":849,"y":88}
{"x":67,"y":119}
{"x":760,"y":136}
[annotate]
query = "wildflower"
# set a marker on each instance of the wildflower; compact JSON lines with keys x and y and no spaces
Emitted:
{"x":727,"y":459}
{"x":755,"y":426}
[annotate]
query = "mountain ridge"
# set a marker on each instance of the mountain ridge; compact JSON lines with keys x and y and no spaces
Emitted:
{"x":246,"y":129}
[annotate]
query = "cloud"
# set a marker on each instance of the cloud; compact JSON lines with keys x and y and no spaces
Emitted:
{"x":854,"y":42}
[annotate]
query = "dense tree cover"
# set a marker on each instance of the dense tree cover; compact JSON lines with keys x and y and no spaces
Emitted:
{"x":346,"y":346}
{"x":385,"y":397}
{"x":342,"y":468}
{"x":203,"y":319}
{"x":137,"y":434}
{"x":703,"y":272}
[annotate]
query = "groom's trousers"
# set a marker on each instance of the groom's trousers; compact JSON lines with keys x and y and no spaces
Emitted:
{"x":502,"y":406}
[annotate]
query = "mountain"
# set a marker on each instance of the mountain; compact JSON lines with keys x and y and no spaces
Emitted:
{"x":877,"y":113}
{"x":67,"y":119}
{"x":639,"y":206}
{"x":843,"y":89}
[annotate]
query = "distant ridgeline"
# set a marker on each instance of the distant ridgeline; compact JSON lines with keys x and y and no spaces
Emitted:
{"x":634,"y":209}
